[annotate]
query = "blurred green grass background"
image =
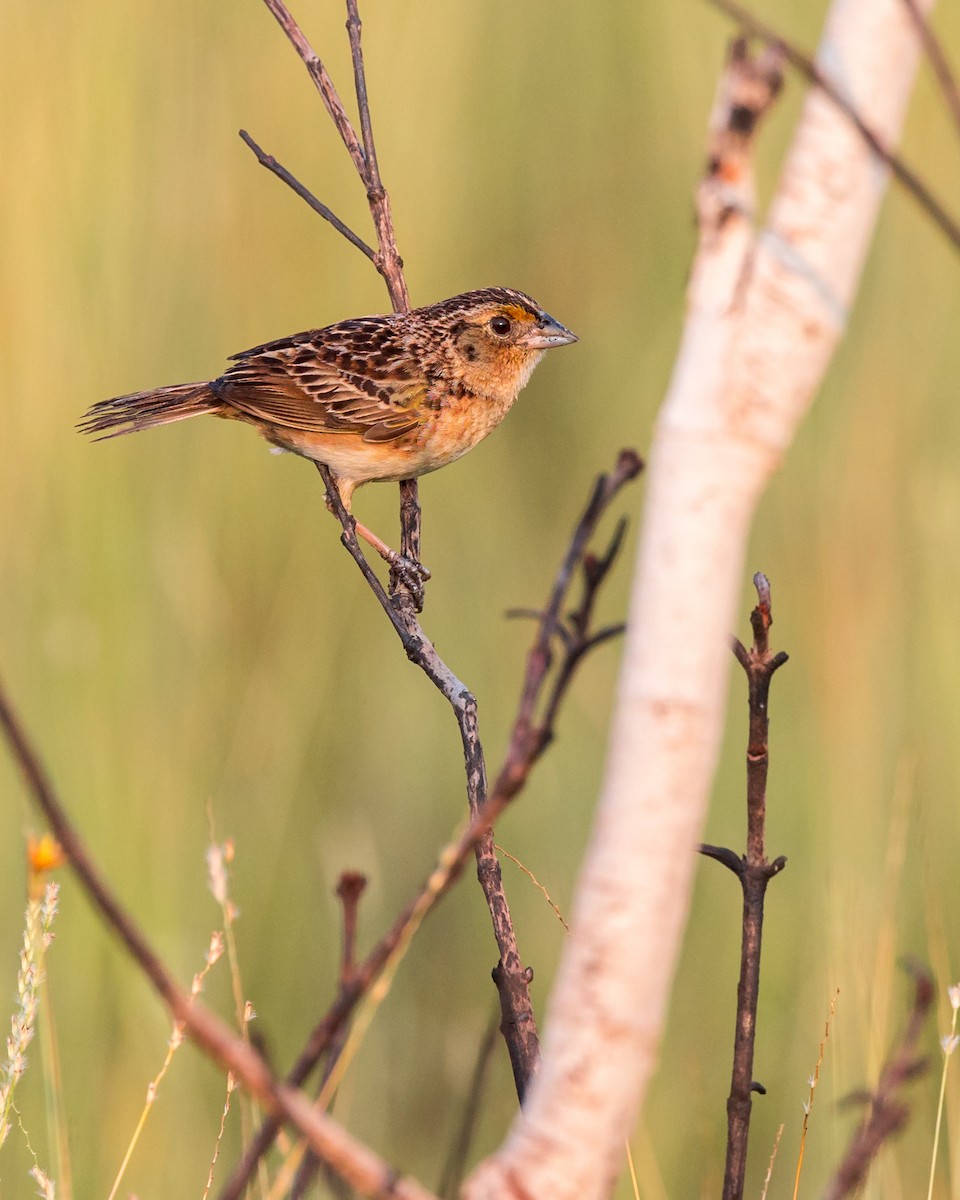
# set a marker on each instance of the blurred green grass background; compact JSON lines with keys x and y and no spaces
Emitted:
{"x":181,"y":627}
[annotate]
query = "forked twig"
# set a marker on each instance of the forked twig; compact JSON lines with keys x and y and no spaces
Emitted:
{"x":389,"y":264}
{"x":281,"y":172}
{"x":363,"y":155}
{"x":386,"y":258}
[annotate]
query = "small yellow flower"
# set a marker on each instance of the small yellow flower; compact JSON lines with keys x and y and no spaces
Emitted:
{"x":43,"y":854}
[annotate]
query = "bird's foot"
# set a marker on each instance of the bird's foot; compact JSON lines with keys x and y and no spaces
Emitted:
{"x":409,"y":575}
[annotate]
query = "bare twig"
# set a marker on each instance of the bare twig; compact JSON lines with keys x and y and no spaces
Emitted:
{"x":524,"y":749}
{"x":939,"y":63}
{"x":353,"y":1161}
{"x":887,"y":1113}
{"x":386,"y":259}
{"x":349,"y":890}
{"x":512,"y":978}
{"x":802,"y":62}
{"x":528,"y":739}
{"x":323,"y":82}
{"x":754,"y":873}
{"x":281,"y":172}
{"x":390,"y":264}
{"x":759,"y":665}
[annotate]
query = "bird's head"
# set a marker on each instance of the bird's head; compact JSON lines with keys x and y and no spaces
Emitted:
{"x":497,"y":336}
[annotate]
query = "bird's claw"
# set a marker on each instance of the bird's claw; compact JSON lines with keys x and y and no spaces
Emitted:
{"x":410,"y":575}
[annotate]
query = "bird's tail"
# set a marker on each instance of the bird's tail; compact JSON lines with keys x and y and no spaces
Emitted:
{"x":143,"y":410}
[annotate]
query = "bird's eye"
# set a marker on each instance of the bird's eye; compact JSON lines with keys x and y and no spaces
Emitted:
{"x":500,"y":326}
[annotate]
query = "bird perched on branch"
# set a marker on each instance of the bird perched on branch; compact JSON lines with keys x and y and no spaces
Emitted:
{"x":374,"y":399}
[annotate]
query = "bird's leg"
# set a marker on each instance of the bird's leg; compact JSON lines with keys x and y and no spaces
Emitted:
{"x":412,"y":571}
{"x":407,"y":570}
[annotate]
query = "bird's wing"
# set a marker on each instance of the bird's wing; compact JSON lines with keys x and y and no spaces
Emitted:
{"x":352,"y":379}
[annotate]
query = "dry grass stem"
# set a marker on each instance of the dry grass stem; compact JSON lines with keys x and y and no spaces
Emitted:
{"x":224,"y":1113}
{"x":773,"y":1159}
{"x":214,"y":952}
{"x":220,"y":856}
{"x":37,"y":935}
{"x":45,"y":1185}
{"x":536,"y":883}
{"x":53,"y":1087}
{"x":813,"y":1081}
{"x":948,"y":1043}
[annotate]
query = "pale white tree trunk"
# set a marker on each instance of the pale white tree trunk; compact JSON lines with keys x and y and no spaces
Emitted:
{"x":765,"y":313}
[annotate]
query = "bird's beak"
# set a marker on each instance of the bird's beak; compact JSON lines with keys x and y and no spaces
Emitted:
{"x":546,"y":334}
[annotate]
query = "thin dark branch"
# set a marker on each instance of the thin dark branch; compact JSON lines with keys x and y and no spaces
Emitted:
{"x":760,"y":668}
{"x":406,"y":626}
{"x":354,"y":29}
{"x":887,"y":1113}
{"x":386,"y":258}
{"x":281,"y":172}
{"x":754,"y":872}
{"x":527,"y":742}
{"x":605,"y":635}
{"x":389,"y":262}
{"x":807,"y":67}
{"x":529,"y":737}
{"x":627,"y":467}
{"x":323,"y":82}
{"x":519,"y":1026}
{"x":350,"y":888}
{"x":727,"y":858}
{"x":939,"y":63}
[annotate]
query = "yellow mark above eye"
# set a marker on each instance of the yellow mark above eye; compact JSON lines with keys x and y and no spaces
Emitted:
{"x":517,"y":312}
